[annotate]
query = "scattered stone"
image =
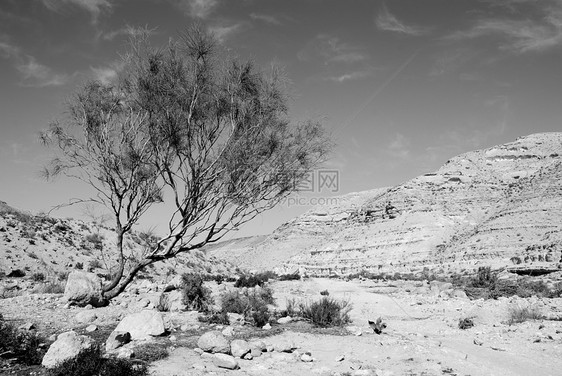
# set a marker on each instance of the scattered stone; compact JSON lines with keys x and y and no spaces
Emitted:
{"x":213,"y":342}
{"x":117,"y":339}
{"x":284,"y":320}
{"x":235,"y":318}
{"x":199,"y":351}
{"x":355,"y":330}
{"x":225,"y":361}
{"x":266,"y":326}
{"x":85,"y":317}
{"x":125,"y":353}
{"x":199,"y":366}
{"x":477,"y":342}
{"x":67,"y":346}
{"x":239,"y":348}
{"x":306,"y":358}
{"x":228,"y":331}
{"x":248,"y":356}
{"x":27,"y":326}
{"x":340,"y":358}
{"x":83,"y":288}
{"x":142,"y":325}
{"x":91,"y":328}
{"x":284,"y":347}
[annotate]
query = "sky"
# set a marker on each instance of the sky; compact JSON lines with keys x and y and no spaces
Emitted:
{"x":402,"y":85}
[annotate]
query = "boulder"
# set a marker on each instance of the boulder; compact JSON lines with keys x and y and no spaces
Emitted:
{"x":239,"y":348}
{"x":84,"y":288}
{"x":67,"y":346}
{"x":235,"y":318}
{"x":225,"y":361}
{"x":117,"y":339}
{"x":213,"y":342}
{"x":142,"y":325}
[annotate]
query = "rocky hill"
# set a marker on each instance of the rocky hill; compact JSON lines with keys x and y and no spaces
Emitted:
{"x":52,"y":247}
{"x":500,"y":206}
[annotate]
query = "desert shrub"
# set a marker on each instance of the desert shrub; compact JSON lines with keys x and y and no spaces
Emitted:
{"x":484,"y":278}
{"x":522,"y":314}
{"x":324,"y":293}
{"x":91,"y":363}
{"x":150,"y":352}
{"x":50,"y":287}
{"x":290,"y":277}
{"x":22,"y":344}
{"x":466,"y":323}
{"x":251,"y":280}
{"x":38,"y":277}
{"x":261,"y":316}
{"x":195,"y":295}
{"x":79,"y":265}
{"x":219,"y":317}
{"x":251,"y":304}
{"x":63,"y":276}
{"x":327,"y":312}
{"x":291,"y":308}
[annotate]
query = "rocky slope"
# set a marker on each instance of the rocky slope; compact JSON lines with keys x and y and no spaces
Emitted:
{"x":500,"y":206}
{"x":38,"y":244}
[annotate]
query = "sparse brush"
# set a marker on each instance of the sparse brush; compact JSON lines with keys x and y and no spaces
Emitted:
{"x":324,"y":293}
{"x":195,"y":295}
{"x":290,"y":277}
{"x":521,"y":314}
{"x":466,"y":323}
{"x":150,"y":352}
{"x":20,"y":344}
{"x":327,"y":312}
{"x":92,"y":363}
{"x":50,"y":287}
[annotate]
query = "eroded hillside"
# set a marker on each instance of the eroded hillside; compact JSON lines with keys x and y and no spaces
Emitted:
{"x":500,"y":206}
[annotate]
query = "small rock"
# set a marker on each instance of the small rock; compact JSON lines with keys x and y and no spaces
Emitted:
{"x":27,"y":326}
{"x":91,"y":328}
{"x":117,"y":339}
{"x":306,"y":358}
{"x":85,"y":317}
{"x":248,"y":356}
{"x":355,"y":330}
{"x":199,"y":351}
{"x":235,"y":318}
{"x":225,"y":361}
{"x":340,"y":358}
{"x":228,"y":331}
{"x":125,"y":353}
{"x":239,"y":348}
{"x":173,"y":338}
{"x":213,"y":342}
{"x":477,"y":342}
{"x":266,"y":327}
{"x":284,"y":320}
{"x":284,"y":347}
{"x":199,"y":366}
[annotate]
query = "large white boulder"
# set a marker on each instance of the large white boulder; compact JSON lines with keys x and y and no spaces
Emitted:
{"x":67,"y":346}
{"x":84,"y":288}
{"x":142,"y":325}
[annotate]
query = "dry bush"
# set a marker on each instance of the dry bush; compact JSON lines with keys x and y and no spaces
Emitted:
{"x":521,"y":314}
{"x":327,"y":312}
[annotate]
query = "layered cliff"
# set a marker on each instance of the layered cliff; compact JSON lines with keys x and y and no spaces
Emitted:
{"x":500,"y":206}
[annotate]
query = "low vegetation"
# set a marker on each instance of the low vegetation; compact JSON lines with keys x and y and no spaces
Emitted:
{"x":22,"y":345}
{"x":521,"y":314}
{"x":92,"y":363}
{"x":326,"y":312}
{"x":195,"y":295}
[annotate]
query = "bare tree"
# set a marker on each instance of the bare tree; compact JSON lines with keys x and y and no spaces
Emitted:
{"x":211,"y":135}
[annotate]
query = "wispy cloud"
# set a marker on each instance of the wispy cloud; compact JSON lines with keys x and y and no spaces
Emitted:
{"x":111,"y":35}
{"x":450,"y":61}
{"x":388,"y":22}
{"x":105,"y":75}
{"x":32,"y":72}
{"x":265,"y":18}
{"x":350,"y":76}
{"x":94,"y":7}
{"x":223,"y":32}
{"x":399,"y":146}
{"x":331,"y":50}
{"x":521,"y":35}
{"x":197,"y":8}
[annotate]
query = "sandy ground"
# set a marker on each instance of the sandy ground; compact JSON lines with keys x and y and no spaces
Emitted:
{"x":422,"y":337}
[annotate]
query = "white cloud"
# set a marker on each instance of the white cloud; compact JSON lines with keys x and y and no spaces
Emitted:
{"x":94,"y":7}
{"x":351,"y":76}
{"x":104,"y":75}
{"x":399,"y":146}
{"x":265,"y":18}
{"x":388,"y":22}
{"x":521,"y":35}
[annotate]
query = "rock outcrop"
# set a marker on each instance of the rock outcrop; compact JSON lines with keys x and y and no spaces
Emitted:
{"x":84,"y":288}
{"x":500,"y":206}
